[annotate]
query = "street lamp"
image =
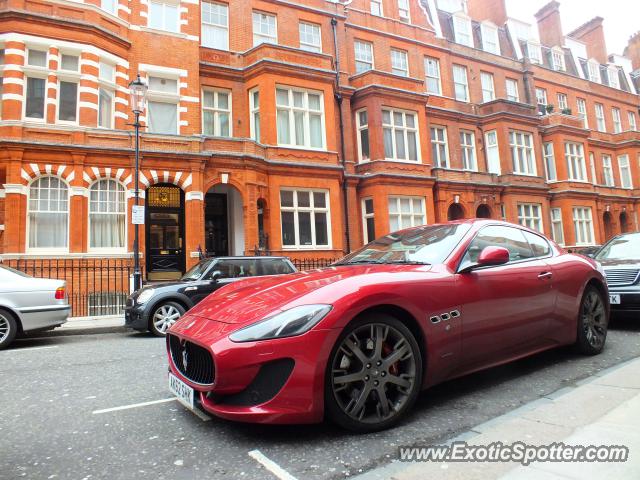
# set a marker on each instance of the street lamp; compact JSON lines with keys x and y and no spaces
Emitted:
{"x":138,"y":95}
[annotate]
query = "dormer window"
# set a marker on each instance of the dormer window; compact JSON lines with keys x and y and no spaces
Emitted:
{"x":535,"y":53}
{"x":614,"y":81}
{"x":462,"y":29}
{"x":490,"y":41}
{"x":593,"y":69}
{"x":557,"y":59}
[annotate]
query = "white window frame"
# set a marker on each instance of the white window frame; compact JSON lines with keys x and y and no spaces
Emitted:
{"x":160,"y":96}
{"x":534,"y":47}
{"x":399,"y":62}
{"x":601,"y":124}
{"x":31,"y":249}
{"x":490,"y":38}
{"x":624,"y":166}
{"x":530,"y":216}
{"x":163,"y":4}
{"x":576,"y":163}
{"x":312,"y":210}
{"x":581,"y":104}
{"x":59,"y":99}
{"x":583,"y":225}
{"x":405,"y":129}
{"x":616,"y":116}
{"x":367,"y":216}
{"x":557,"y":59}
{"x":633,"y":126}
{"x":404,"y":11}
{"x":224,"y":28}
{"x":307,"y":112}
{"x":397,"y":199}
{"x":459,"y":83}
{"x":593,"y":70}
{"x":68,"y":54}
{"x":360,"y":128}
{"x":462,"y":29}
{"x":557,"y":229}
{"x":549,"y":161}
{"x":492,"y":152}
{"x":612,"y":72}
{"x":563,"y":102}
{"x":42,"y":77}
{"x":254,"y":111}
{"x":377,"y":10}
{"x":468,"y":150}
{"x":488,"y":87}
{"x":361,"y":47}
{"x":432,"y":73}
{"x":439,"y":144}
{"x":260,"y":37}
{"x":217,"y":111}
{"x":523,"y":157}
{"x":110,"y":6}
{"x":122,"y":213}
{"x":307,"y":46}
{"x":607,"y":171}
{"x":513,"y":93}
{"x":541,"y":100}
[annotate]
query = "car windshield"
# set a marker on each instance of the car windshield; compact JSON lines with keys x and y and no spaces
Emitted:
{"x":197,"y":270}
{"x":621,"y":248}
{"x":423,"y":245}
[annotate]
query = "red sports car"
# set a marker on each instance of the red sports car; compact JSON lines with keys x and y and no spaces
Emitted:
{"x":357,"y":341}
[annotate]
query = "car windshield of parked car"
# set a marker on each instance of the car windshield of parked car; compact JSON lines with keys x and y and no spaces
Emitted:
{"x":622,"y":248}
{"x":424,"y":245}
{"x":197,"y":270}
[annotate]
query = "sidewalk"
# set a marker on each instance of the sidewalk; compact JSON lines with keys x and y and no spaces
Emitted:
{"x":601,"y":410}
{"x":90,"y":325}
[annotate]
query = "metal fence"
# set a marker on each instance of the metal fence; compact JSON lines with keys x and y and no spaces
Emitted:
{"x":312,"y":263}
{"x":95,"y":286}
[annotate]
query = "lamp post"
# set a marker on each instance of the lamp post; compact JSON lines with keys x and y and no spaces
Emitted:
{"x":138,"y":94}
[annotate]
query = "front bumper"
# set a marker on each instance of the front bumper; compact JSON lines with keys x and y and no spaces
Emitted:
{"x":135,"y":317}
{"x":272,"y":381}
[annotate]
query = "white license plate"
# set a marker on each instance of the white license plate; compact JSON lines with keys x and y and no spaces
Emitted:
{"x":181,"y":390}
{"x":614,"y":299}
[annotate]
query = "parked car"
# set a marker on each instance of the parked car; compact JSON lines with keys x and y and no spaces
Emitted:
{"x":357,"y":341}
{"x":588,"y":251}
{"x":620,"y":258}
{"x":29,"y":304}
{"x":157,"y":306}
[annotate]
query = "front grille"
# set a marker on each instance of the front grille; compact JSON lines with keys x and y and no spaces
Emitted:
{"x":620,"y":277}
{"x":193,"y":361}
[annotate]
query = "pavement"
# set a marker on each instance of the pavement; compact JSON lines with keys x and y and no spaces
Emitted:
{"x":90,"y":325}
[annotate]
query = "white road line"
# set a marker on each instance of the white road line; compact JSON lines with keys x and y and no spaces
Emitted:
{"x":135,"y":405}
{"x":14,"y":350}
{"x":270,"y":465}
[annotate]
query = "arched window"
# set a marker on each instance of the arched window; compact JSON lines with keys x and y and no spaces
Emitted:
{"x":107,"y":215}
{"x":48,"y":213}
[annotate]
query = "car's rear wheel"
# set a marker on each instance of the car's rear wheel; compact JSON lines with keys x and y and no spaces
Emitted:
{"x":593,"y":322}
{"x":8,"y":329}
{"x":374,"y":374}
{"x":163,"y":316}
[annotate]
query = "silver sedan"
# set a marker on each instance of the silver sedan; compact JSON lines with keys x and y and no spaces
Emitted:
{"x":28,"y":304}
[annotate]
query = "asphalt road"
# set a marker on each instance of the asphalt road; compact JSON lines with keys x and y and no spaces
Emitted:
{"x":52,"y":386}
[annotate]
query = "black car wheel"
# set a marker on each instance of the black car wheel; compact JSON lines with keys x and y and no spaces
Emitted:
{"x":374,"y":374}
{"x":163,"y":316}
{"x":593,"y":322}
{"x":8,"y":328}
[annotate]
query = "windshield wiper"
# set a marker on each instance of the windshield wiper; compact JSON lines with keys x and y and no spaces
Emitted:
{"x":354,"y":262}
{"x":407,"y":262}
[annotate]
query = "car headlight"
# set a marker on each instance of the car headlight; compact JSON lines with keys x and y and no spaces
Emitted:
{"x":145,"y":295}
{"x":289,"y":323}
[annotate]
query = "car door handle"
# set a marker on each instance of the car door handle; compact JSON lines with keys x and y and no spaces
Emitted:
{"x":190,"y":289}
{"x":545,"y":275}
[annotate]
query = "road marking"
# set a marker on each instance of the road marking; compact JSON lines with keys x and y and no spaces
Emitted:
{"x":29,"y":348}
{"x":135,"y":405}
{"x":270,"y":465}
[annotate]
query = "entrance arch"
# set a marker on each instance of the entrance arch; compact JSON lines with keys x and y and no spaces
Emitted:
{"x":608,"y":225}
{"x":164,"y":232}
{"x":455,"y":212}
{"x":624,"y":223}
{"x":483,"y":211}
{"x":224,"y":221}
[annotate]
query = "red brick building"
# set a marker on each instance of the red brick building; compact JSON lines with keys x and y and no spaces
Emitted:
{"x":306,"y":128}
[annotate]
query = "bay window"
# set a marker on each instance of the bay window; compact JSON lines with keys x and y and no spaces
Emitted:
{"x":107,"y":215}
{"x":582,"y":111}
{"x":488,"y":89}
{"x":607,"y":171}
{"x":215,"y":25}
{"x":400,"y":133}
{"x":493,"y":153}
{"x":254,"y":106}
{"x":368,"y":221}
{"x":300,"y":118}
{"x":35,"y":95}
{"x":305,"y":218}
{"x":574,"y":155}
{"x":48,"y":214}
{"x":216,"y":113}
{"x":363,"y":134}
{"x":67,"y":101}
{"x":522,"y":155}
{"x":405,"y":212}
{"x":557,"y":230}
{"x":549,"y":161}
{"x":110,"y":6}
{"x":106,"y":94}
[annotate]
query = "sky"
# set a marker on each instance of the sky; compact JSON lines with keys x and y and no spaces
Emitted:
{"x":621,"y":17}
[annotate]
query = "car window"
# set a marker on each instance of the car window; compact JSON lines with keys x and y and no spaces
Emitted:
{"x":498,"y":236}
{"x":273,"y":266}
{"x":539,"y":245}
{"x":236,"y":268}
{"x":626,"y":247}
{"x":197,"y":270}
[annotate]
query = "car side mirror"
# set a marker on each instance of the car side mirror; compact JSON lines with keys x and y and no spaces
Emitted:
{"x":493,"y":256}
{"x":215,"y":276}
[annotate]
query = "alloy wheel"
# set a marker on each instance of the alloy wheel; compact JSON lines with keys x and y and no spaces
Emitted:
{"x":373,"y":373}
{"x":594,"y":319}
{"x":164,"y":317}
{"x":5,"y":328}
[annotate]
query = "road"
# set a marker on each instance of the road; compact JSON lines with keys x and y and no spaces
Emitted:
{"x":60,"y":420}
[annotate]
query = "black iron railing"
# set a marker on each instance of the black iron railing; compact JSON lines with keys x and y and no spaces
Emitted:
{"x":312,"y":263}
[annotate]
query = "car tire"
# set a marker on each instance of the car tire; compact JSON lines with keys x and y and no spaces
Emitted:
{"x":163,"y":316}
{"x":593,"y":322}
{"x":8,"y":328}
{"x":361,"y":371}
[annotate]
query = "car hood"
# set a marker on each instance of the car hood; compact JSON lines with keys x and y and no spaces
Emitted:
{"x":619,"y":263}
{"x":251,"y":300}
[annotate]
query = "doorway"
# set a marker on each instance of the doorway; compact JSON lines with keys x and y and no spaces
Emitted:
{"x":164,"y":232}
{"x":483,"y":211}
{"x":624,"y":223}
{"x":608,"y":225}
{"x":223,"y":221}
{"x":455,"y":212}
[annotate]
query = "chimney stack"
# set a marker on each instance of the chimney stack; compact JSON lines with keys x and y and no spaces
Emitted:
{"x":493,"y":10}
{"x":632,"y":50}
{"x":592,"y":35}
{"x":549,"y":25}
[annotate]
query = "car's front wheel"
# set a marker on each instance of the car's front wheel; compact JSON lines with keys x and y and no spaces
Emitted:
{"x":8,"y":329}
{"x":374,"y":374}
{"x":163,"y":316}
{"x":593,"y":322}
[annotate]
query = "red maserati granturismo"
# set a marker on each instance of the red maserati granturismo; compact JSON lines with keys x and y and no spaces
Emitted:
{"x":357,"y":341}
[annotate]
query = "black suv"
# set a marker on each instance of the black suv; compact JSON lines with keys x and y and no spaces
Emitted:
{"x":620,"y":258}
{"x":157,"y":306}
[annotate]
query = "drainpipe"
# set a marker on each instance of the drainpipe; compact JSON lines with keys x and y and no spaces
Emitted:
{"x":338,"y":97}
